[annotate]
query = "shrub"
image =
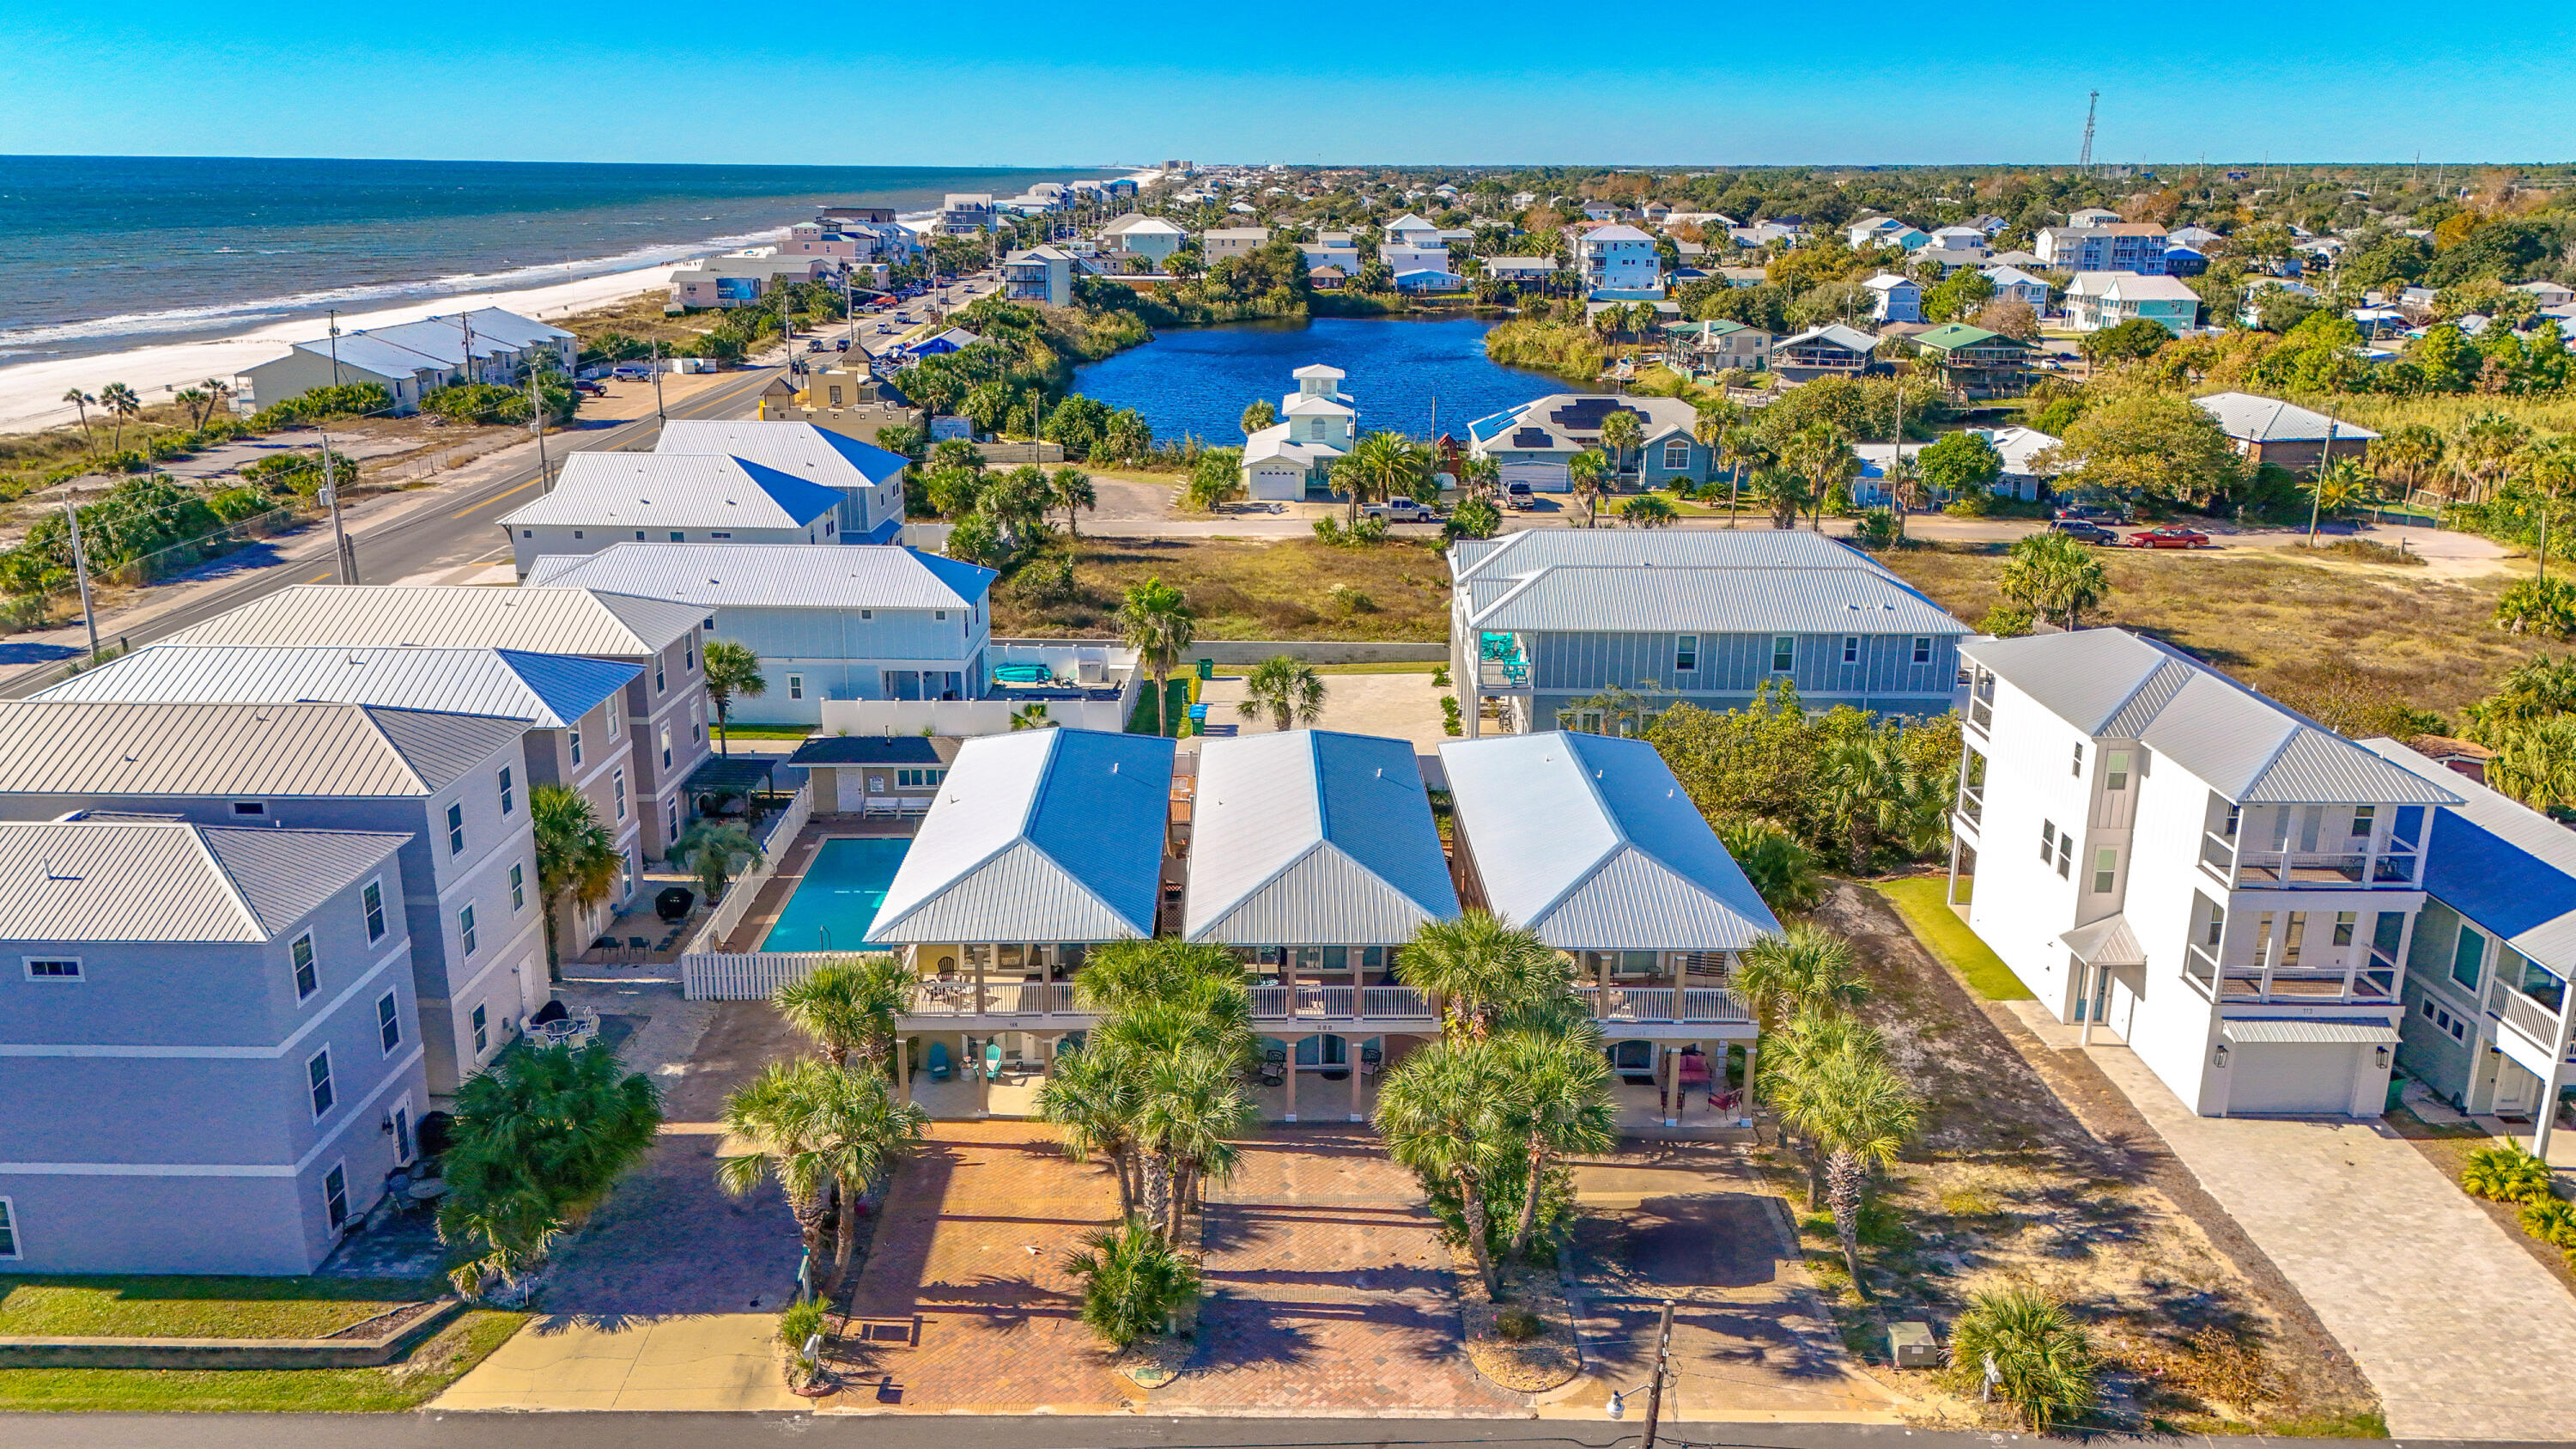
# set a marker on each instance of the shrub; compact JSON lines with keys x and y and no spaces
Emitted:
{"x":2005,"y":622}
{"x":1453,"y":719}
{"x":1329,"y":530}
{"x":2506,"y":1173}
{"x":1371,"y":529}
{"x":1975,"y":503}
{"x":1518,"y":1325}
{"x":1877,"y":529}
{"x":1351,"y":601}
{"x":2538,"y":606}
{"x":1440,"y":677}
{"x":2551,"y":1220}
{"x":2043,"y":1359}
{"x":800,"y":1323}
{"x":1132,"y":1282}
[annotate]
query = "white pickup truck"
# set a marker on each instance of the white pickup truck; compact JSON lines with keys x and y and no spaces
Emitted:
{"x":1402,"y":510}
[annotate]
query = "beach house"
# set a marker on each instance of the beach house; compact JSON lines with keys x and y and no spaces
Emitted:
{"x":869,"y":478}
{"x":1040,"y":275}
{"x":603,"y":498}
{"x":2285,"y":435}
{"x":1534,"y":442}
{"x":1293,"y":458}
{"x":410,"y":360}
{"x":2095,"y":300}
{"x":1619,"y":264}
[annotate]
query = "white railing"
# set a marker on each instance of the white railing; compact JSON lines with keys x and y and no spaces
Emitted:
{"x":711,"y":932}
{"x":747,"y":977}
{"x":1647,"y":1004}
{"x":1341,"y":1003}
{"x":955,"y":996}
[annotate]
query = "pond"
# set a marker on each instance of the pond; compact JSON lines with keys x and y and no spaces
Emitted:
{"x":1198,"y":380}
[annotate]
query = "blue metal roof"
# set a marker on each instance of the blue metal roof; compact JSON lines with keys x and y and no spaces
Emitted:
{"x":2493,"y":881}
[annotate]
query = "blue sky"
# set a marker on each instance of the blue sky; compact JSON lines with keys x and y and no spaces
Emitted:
{"x":1504,"y":81}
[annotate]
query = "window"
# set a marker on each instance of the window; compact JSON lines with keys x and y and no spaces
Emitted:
{"x":518,"y":885}
{"x":53,"y":968}
{"x":509,"y":796}
{"x":613,"y":725}
{"x":678,"y":537}
{"x":317,"y":1073}
{"x":1676,"y":456}
{"x":657,"y":676}
{"x":2343,"y":927}
{"x":2106,"y":869}
{"x":465,"y":928}
{"x":388,"y":1022}
{"x":456,"y":828}
{"x":1851,"y":649}
{"x":1686,"y":652}
{"x":2217,"y":915}
{"x":671,"y":817}
{"x":867,"y":614}
{"x":2047,"y":841}
{"x":575,"y":735}
{"x":400,"y":1119}
{"x":249,"y":807}
{"x":576,"y":533}
{"x":796,"y":686}
{"x":2362,"y":818}
{"x":307,"y":979}
{"x":1922,"y":648}
{"x":1784,"y":653}
{"x":618,"y":784}
{"x":2235,"y":816}
{"x":2077,"y":768}
{"x":939,"y":614}
{"x":2116,"y":777}
{"x":919,"y":778}
{"x":697,"y":725}
{"x":335,"y":1196}
{"x":719,"y":535}
{"x":482,"y":1035}
{"x":528,"y":533}
{"x":666,"y":747}
{"x":8,"y":1230}
{"x":372,"y":901}
{"x":689,"y":656}
{"x":639,"y":535}
{"x":2466,"y":957}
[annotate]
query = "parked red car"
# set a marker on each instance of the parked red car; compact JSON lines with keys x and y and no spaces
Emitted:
{"x":2169,"y":538}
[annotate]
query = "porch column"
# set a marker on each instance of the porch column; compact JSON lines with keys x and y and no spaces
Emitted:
{"x":983,"y":1077}
{"x":903,"y":1067}
{"x":1291,"y":1076}
{"x":1744,"y":1103}
{"x":2094,"y":978}
{"x":1353,"y":1052}
{"x":1672,"y":1081}
{"x":981,"y":1005}
{"x":2541,"y":1121}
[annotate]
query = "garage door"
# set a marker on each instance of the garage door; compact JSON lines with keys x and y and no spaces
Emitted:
{"x":1541,"y":477}
{"x":2273,"y":1077}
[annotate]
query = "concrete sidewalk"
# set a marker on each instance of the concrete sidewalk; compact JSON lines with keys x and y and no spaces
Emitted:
{"x":698,"y":1362}
{"x":2454,"y":1324}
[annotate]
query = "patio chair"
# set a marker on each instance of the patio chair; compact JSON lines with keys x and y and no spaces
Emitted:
{"x":1371,"y":1059}
{"x":938,"y":1062}
{"x":992,"y":1061}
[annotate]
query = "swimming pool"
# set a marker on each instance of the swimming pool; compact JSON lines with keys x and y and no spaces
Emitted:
{"x":838,"y":898}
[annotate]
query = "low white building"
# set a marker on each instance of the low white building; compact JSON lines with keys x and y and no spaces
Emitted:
{"x":2159,"y":851}
{"x":1293,"y":458}
{"x":606,"y":498}
{"x":411,"y":359}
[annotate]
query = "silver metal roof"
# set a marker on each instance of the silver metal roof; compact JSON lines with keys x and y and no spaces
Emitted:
{"x":549,"y":691}
{"x":538,"y":620}
{"x":1712,"y":600}
{"x":1037,"y":836}
{"x":2110,"y":683}
{"x":2270,"y":420}
{"x":774,"y":575}
{"x":675,"y":490}
{"x":164,"y":880}
{"x":259,"y":751}
{"x":1313,"y":838}
{"x":2498,"y":861}
{"x":1518,"y":555}
{"x":2310,"y":1031}
{"x":2106,"y":942}
{"x":800,"y":450}
{"x":1590,"y":841}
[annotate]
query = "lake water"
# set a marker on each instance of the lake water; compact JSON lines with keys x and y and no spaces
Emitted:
{"x":1198,"y":380}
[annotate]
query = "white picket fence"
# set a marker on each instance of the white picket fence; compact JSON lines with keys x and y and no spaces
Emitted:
{"x":716,"y":976}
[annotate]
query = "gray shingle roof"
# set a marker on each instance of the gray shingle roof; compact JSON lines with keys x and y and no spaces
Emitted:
{"x":67,"y":747}
{"x":1591,"y":842}
{"x":549,"y":691}
{"x":160,"y":880}
{"x":538,"y":620}
{"x":2243,"y":745}
{"x":1313,"y":838}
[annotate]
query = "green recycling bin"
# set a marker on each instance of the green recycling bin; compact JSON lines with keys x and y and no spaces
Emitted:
{"x":1207,"y":669}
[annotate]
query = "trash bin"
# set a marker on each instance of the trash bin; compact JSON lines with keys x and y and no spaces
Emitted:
{"x":1207,"y":669}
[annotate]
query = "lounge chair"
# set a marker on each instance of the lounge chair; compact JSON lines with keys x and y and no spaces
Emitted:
{"x":938,"y":1061}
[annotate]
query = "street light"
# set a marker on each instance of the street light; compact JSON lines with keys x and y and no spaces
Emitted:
{"x":1654,"y":1386}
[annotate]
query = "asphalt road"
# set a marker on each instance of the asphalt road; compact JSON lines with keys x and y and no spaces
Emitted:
{"x":805,"y":1431}
{"x":458,"y":530}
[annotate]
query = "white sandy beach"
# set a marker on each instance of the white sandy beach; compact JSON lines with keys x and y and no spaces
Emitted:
{"x":31,"y":394}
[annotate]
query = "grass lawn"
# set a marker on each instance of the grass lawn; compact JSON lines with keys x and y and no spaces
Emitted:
{"x":772,"y":732}
{"x":1243,"y":589}
{"x":1919,"y":900}
{"x":2338,"y":639}
{"x":195,"y":1307}
{"x":430,"y":1368}
{"x":1400,"y":666}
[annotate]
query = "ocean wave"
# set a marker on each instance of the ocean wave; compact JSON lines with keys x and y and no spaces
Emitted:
{"x":253,"y":312}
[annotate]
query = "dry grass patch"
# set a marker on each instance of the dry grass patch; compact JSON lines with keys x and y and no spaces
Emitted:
{"x":2339,"y":639}
{"x":1244,"y":589}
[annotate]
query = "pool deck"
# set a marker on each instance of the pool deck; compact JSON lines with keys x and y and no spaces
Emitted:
{"x":782,"y":883}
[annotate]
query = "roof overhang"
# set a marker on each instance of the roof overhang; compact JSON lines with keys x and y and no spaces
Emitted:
{"x":2302,"y":1031}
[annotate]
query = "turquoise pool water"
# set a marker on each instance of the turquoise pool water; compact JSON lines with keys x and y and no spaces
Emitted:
{"x":838,"y":898}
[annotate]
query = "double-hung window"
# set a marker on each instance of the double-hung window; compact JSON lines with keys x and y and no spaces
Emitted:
{"x":575,"y":733}
{"x":482,"y":1032}
{"x":335,"y":1196}
{"x":2076,"y":768}
{"x":372,"y":899}
{"x":509,"y":794}
{"x":2115,"y":772}
{"x":465,"y":928}
{"x":456,"y":828}
{"x":8,"y":1229}
{"x":617,"y":783}
{"x":2106,"y":868}
{"x":1784,"y":653}
{"x":518,"y":885}
{"x":2047,"y":841}
{"x":1851,"y":649}
{"x":1686,"y":653}
{"x":388,"y":1022}
{"x":317,"y":1075}
{"x":1922,"y":648}
{"x":308,"y":978}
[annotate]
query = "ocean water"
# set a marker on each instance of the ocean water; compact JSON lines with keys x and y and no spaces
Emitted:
{"x":1404,"y":374}
{"x":103,"y":253}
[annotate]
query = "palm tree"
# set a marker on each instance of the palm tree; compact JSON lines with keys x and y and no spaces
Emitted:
{"x":1904,"y":487}
{"x":1710,"y":422}
{"x":1791,"y":1073}
{"x":1156,"y":622}
{"x":2044,"y":1361}
{"x":2052,"y":574}
{"x":1873,"y":795}
{"x":1381,"y":465}
{"x":195,"y":401}
{"x":81,"y":403}
{"x":715,"y":851}
{"x":1093,"y":1104}
{"x":1483,"y":970}
{"x":1071,"y":490}
{"x":1285,"y":688}
{"x":536,"y":1132}
{"x":121,"y":404}
{"x":1560,"y":1104}
{"x":2484,"y":447}
{"x":1785,"y":490}
{"x":731,"y":669}
{"x":1803,"y":970}
{"x":1822,"y":457}
{"x":1648,"y":510}
{"x":1187,"y":1105}
{"x":818,"y":1126}
{"x":1259,"y":415}
{"x":218,"y":392}
{"x":2549,"y":468}
{"x":577,"y":857}
{"x":1620,"y":431}
{"x":1437,"y":1112}
{"x":1583,"y":477}
{"x":849,"y":1004}
{"x":2411,"y":455}
{"x":1742,"y":446}
{"x":1133,"y":1282}
{"x":1781,"y":868}
{"x":1859,"y":1113}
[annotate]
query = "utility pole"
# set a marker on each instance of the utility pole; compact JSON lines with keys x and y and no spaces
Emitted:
{"x":340,"y":549}
{"x":537,"y":418}
{"x":2084,"y":162}
{"x":335,"y":347}
{"x":1655,"y":1389}
{"x":658,"y":414}
{"x":2317,"y":485}
{"x":80,"y":571}
{"x":462,"y":320}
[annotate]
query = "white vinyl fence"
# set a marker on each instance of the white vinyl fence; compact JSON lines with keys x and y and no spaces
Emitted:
{"x":713,"y":976}
{"x":738,"y":896}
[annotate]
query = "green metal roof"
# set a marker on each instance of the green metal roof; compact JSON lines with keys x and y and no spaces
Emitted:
{"x":1959,"y":334}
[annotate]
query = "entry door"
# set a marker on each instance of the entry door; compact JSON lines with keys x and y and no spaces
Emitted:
{"x":401,"y":1119}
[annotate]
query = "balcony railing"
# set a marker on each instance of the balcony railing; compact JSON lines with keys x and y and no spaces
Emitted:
{"x":2525,"y":1015}
{"x":1664,"y":1004}
{"x":2370,"y":977}
{"x":1341,"y":1003}
{"x":951,"y":997}
{"x":1503,"y":673}
{"x":1307,"y":1001}
{"x":1972,"y":805}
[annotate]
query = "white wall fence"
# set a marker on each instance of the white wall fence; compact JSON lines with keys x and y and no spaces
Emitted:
{"x":736,"y":904}
{"x":964,"y":718}
{"x":710,"y":976}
